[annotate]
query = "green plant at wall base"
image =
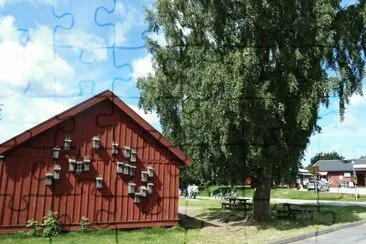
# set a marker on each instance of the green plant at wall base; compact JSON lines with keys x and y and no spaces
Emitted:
{"x":35,"y":228}
{"x":51,"y":224}
{"x":84,"y":224}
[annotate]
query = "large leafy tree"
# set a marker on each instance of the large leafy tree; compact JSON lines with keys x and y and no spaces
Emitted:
{"x":324,"y":156}
{"x":239,"y":83}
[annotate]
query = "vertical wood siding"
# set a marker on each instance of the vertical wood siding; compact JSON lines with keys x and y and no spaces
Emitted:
{"x":24,"y":195}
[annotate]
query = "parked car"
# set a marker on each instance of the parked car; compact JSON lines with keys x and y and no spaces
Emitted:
{"x":321,"y":185}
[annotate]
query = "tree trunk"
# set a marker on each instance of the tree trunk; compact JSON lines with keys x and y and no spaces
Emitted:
{"x":262,"y":196}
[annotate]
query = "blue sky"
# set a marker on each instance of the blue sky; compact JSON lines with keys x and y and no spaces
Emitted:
{"x":56,"y":54}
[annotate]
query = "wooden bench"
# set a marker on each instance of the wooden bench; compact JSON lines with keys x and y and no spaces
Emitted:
{"x":244,"y":206}
{"x":228,"y":205}
{"x":302,"y":213}
{"x":282,"y":213}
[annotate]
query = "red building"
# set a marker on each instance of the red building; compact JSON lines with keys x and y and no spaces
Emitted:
{"x":341,"y":172}
{"x":98,"y":159}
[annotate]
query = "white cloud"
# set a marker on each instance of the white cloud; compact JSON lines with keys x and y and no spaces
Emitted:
{"x":31,"y":63}
{"x":357,"y":101}
{"x":130,"y":18}
{"x":4,"y":2}
{"x":345,"y":137}
{"x":159,"y":38}
{"x":142,"y":67}
{"x":16,"y":116}
{"x":151,"y":118}
{"x":93,"y":46}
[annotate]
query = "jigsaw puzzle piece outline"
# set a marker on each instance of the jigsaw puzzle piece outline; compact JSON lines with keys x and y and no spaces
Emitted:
{"x":111,"y":25}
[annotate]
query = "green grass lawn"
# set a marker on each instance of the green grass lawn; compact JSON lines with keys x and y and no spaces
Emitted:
{"x":148,"y":235}
{"x":208,"y":223}
{"x":311,"y":195}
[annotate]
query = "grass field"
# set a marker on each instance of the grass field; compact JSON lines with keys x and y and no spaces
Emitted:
{"x":208,"y":223}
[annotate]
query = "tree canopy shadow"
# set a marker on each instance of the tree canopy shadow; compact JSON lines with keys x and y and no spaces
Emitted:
{"x":322,"y":215}
{"x":188,"y":222}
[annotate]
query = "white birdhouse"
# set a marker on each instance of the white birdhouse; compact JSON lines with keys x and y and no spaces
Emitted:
{"x":150,"y":172}
{"x":57,"y":172}
{"x":133,"y":156}
{"x":98,"y":182}
{"x":131,"y":188}
{"x":79,"y":166}
{"x":115,"y":148}
{"x":49,"y":177}
{"x":143,"y":191}
{"x":56,"y":153}
{"x":136,"y":198}
{"x":67,"y":143}
{"x":143,"y":176}
{"x":87,"y":162}
{"x":126,"y":169}
{"x":132,"y":170}
{"x":150,"y":187}
{"x":95,"y":143}
{"x":126,"y":152}
{"x":72,"y":164}
{"x":120,"y":167}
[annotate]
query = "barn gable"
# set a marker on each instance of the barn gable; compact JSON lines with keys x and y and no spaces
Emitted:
{"x":88,"y":104}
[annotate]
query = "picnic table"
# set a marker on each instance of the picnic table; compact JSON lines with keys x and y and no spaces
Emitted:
{"x":241,"y":200}
{"x":238,"y":203}
{"x":298,"y":211}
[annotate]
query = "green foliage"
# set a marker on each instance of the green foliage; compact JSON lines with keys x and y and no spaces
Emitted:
{"x":325,"y":156}
{"x":51,"y":225}
{"x":85,"y":225}
{"x":238,"y":84}
{"x":35,"y":228}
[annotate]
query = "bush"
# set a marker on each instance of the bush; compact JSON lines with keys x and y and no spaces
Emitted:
{"x":51,"y":224}
{"x":84,"y":224}
{"x":35,"y":228}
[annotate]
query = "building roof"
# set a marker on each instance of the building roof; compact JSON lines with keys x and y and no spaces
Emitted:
{"x":105,"y":95}
{"x":338,"y":165}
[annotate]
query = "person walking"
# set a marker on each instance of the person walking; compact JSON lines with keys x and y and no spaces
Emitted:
{"x":189,"y":189}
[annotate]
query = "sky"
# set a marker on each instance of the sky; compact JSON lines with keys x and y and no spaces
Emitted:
{"x":55,"y":54}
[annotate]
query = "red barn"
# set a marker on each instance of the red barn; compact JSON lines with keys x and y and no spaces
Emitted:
{"x":98,"y":159}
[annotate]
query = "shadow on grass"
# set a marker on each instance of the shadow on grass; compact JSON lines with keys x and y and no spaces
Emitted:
{"x":188,"y":222}
{"x":222,"y":215}
{"x":322,"y":215}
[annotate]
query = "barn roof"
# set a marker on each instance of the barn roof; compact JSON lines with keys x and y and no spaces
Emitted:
{"x":105,"y":95}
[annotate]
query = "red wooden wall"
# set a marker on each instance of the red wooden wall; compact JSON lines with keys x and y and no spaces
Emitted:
{"x":24,"y":195}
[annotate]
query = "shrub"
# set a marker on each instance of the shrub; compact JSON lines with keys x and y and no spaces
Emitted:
{"x":84,"y":224}
{"x":51,"y":224}
{"x":35,"y":228}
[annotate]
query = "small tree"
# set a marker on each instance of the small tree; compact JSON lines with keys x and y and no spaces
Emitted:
{"x":35,"y":228}
{"x":84,"y":224}
{"x":51,"y":224}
